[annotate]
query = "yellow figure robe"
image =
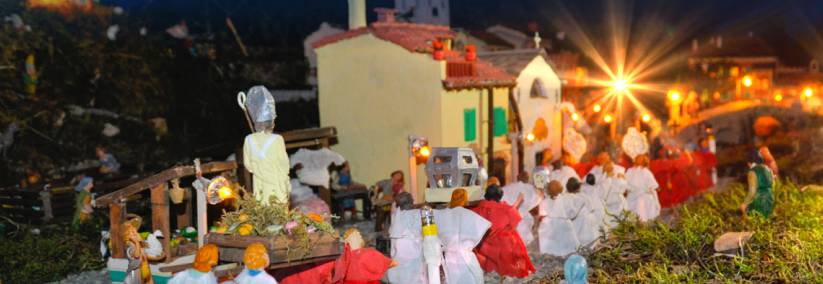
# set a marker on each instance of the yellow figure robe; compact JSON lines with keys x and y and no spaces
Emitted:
{"x":264,"y":155}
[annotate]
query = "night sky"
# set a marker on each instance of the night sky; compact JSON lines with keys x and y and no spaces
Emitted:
{"x":789,"y":26}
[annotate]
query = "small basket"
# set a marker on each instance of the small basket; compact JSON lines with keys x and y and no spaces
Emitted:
{"x":176,"y":194}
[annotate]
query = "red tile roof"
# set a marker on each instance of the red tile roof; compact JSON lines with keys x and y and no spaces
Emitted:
{"x":485,"y":75}
{"x":418,"y":38}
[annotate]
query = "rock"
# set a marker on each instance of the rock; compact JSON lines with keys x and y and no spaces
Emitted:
{"x":731,"y":241}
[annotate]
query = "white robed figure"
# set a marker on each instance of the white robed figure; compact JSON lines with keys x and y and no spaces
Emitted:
{"x":562,"y":173}
{"x":531,"y":199}
{"x":615,"y":186}
{"x":406,"y":243}
{"x":460,"y":230}
{"x":264,"y":153}
{"x":642,"y":198}
{"x":598,"y":170}
{"x":584,"y":219}
{"x":556,"y":233}
{"x":596,"y":199}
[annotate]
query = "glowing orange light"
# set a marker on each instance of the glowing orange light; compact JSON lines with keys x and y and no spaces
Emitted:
{"x":620,"y":85}
{"x":63,"y":6}
{"x":778,"y":97}
{"x":747,"y":81}
{"x":575,"y":117}
{"x":224,"y":193}
{"x":608,"y":118}
{"x":530,"y":137}
{"x":646,"y":117}
{"x":597,"y":108}
{"x":674,"y":96}
{"x":808,"y":92}
{"x":425,"y":151}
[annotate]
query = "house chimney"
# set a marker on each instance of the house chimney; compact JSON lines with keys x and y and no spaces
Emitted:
{"x":385,"y":15}
{"x":357,"y":14}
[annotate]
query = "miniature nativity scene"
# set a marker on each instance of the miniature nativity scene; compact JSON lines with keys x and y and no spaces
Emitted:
{"x":423,"y":153}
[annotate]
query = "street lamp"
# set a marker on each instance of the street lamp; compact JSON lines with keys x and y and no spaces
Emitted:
{"x":608,"y":118}
{"x":778,"y":97}
{"x":575,"y":117}
{"x":597,"y":108}
{"x":646,"y":118}
{"x":419,"y":152}
{"x":620,"y":85}
{"x":747,"y":81}
{"x":808,"y":92}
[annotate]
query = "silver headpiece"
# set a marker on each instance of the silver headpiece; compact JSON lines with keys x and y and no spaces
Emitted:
{"x":260,"y":104}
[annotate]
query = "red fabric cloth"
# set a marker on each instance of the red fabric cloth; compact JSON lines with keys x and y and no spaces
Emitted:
{"x":583,"y":169}
{"x":320,"y":274}
{"x":662,"y":170}
{"x":364,"y":265}
{"x":705,"y":163}
{"x":681,"y":185}
{"x":501,"y":249}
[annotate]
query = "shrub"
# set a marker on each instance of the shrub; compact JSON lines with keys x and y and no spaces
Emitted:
{"x":787,"y":247}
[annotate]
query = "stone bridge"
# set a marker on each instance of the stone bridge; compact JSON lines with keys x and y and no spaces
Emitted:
{"x":732,"y":122}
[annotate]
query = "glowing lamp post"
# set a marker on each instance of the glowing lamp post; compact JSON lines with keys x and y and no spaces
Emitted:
{"x":646,"y":118}
{"x":597,"y":108}
{"x":747,"y":81}
{"x":575,"y":116}
{"x":419,"y":153}
{"x":674,"y":106}
{"x":808,"y":92}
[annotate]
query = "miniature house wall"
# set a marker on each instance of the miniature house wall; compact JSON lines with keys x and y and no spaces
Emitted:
{"x":377,"y":93}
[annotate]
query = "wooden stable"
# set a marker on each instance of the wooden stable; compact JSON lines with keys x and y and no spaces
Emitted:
{"x":158,"y":185}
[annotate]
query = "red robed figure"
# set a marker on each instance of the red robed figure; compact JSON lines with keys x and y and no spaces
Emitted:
{"x":662,"y":170}
{"x":502,"y":250}
{"x":705,"y":162}
{"x":583,"y":168}
{"x":682,"y":187}
{"x":364,"y":265}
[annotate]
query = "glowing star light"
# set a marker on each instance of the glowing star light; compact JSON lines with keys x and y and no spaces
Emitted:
{"x":620,"y":85}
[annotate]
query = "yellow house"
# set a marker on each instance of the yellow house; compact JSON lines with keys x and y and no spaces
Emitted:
{"x":381,"y":83}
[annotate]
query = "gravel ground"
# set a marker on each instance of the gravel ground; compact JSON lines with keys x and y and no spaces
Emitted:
{"x":88,"y":277}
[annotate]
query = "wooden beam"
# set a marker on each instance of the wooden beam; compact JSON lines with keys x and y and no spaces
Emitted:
{"x":160,"y":216}
{"x":117,"y":214}
{"x":490,"y":149}
{"x":519,"y":123}
{"x":184,"y":218}
{"x":307,"y":134}
{"x":162,"y":177}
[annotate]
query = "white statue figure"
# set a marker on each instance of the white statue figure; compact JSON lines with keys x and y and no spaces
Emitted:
{"x":264,"y":153}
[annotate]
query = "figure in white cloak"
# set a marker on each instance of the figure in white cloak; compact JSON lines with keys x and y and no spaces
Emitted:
{"x":460,"y":230}
{"x":642,"y":198}
{"x":584,"y":219}
{"x":563,"y":173}
{"x":264,"y":153}
{"x":406,"y":243}
{"x":556,"y":232}
{"x":531,"y":198}
{"x":615,"y":186}
{"x":596,"y":197}
{"x":602,"y":159}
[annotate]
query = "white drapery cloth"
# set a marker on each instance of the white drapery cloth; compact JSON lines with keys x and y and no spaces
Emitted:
{"x":460,"y":230}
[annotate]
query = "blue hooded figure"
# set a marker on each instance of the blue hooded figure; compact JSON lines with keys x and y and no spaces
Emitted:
{"x":575,"y":270}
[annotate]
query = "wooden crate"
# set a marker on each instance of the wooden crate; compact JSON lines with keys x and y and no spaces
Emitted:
{"x":282,"y":249}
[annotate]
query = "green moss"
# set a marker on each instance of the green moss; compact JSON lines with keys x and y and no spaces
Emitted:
{"x":788,"y":247}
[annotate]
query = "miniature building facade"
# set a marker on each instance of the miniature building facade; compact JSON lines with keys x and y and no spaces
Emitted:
{"x":379,"y":84}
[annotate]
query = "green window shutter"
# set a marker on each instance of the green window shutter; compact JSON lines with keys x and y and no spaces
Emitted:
{"x":501,"y":125}
{"x":469,"y":124}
